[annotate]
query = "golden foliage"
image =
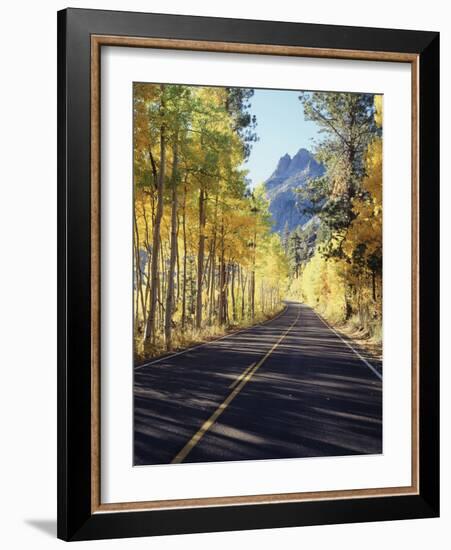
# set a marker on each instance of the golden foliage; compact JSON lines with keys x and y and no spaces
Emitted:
{"x":244,"y":264}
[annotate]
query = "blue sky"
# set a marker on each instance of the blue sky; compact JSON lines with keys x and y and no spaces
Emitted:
{"x":281,"y":128}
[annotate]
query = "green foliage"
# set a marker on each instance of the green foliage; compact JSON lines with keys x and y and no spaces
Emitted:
{"x":238,"y":105}
{"x":342,"y":275}
{"x":347,"y":121}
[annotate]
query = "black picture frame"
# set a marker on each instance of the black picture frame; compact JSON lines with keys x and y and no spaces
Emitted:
{"x":76,"y":521}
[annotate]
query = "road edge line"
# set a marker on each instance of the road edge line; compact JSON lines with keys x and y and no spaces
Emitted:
{"x":376,"y":372}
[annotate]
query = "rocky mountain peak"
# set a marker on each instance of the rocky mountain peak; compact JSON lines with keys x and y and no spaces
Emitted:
{"x":288,"y":166}
{"x":282,"y":166}
{"x":290,"y":174}
{"x":300,"y":161}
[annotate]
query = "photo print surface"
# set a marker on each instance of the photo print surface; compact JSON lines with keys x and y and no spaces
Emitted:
{"x":257,"y":276}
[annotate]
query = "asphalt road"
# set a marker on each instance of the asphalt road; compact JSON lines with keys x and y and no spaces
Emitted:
{"x":289,"y":388}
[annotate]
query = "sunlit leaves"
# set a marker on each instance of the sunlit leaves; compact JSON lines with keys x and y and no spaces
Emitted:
{"x":221,"y":227}
{"x":343,"y":279}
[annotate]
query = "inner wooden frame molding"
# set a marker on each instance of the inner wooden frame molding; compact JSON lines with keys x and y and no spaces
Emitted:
{"x":97,"y":41}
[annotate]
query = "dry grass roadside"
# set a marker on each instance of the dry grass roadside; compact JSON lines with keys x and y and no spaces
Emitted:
{"x":192,"y":337}
{"x":371,"y":345}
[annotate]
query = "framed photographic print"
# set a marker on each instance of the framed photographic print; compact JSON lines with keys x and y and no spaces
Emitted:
{"x":248,"y":274}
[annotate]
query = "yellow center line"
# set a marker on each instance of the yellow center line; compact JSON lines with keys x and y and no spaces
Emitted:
{"x":241,"y":376}
{"x":180,"y":457}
